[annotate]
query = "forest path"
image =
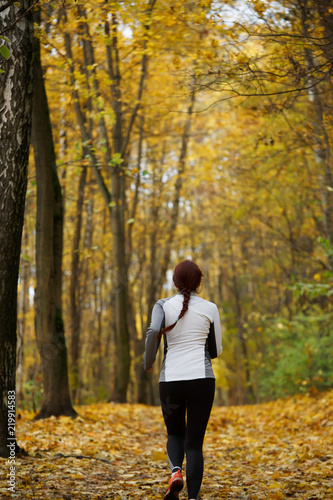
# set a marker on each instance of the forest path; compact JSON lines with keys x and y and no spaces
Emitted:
{"x":278,"y":450}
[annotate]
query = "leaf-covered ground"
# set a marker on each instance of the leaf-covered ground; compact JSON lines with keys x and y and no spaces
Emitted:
{"x":279,"y":450}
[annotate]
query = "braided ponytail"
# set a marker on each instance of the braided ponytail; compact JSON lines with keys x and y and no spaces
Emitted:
{"x":187,"y":295}
{"x":187,"y":277}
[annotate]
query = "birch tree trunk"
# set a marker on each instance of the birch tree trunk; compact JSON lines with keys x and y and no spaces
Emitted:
{"x":15,"y":126}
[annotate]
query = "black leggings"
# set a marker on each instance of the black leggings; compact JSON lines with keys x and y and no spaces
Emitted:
{"x":195,"y":396}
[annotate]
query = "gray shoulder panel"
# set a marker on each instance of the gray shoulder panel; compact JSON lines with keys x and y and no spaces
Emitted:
{"x":208,"y":364}
{"x":153,"y":339}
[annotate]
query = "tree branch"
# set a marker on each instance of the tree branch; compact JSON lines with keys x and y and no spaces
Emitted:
{"x":87,"y":139}
{"x":144,"y":72}
{"x":8,"y":4}
{"x":19,"y":18}
{"x":178,"y":185}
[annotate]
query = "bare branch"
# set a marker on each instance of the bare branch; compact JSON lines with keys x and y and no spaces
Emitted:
{"x":82,"y":121}
{"x":8,"y":4}
{"x":144,"y":72}
{"x":19,"y":18}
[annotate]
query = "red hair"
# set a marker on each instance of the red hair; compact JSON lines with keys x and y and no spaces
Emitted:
{"x":186,"y":277}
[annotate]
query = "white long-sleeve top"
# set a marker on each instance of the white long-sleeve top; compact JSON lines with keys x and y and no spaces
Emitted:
{"x":191,"y":344}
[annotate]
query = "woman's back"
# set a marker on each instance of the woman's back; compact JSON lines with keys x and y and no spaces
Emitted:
{"x":186,"y":351}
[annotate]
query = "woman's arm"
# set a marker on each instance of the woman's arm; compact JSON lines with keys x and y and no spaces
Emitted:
{"x":152,"y":336}
{"x":215,"y":336}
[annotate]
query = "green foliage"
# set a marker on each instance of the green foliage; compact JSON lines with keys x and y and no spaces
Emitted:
{"x":324,"y":285}
{"x":326,"y":246}
{"x":4,"y":51}
{"x":299,"y":356}
{"x":32,"y":395}
{"x":116,"y":160}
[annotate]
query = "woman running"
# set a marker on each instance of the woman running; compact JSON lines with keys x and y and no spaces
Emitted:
{"x":192,"y":337}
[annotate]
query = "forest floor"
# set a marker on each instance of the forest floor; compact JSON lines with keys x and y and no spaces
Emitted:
{"x":278,"y":450}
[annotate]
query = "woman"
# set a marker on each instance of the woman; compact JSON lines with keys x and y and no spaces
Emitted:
{"x":192,"y":336}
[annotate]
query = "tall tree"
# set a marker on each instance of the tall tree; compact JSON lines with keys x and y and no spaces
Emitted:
{"x":49,"y":244}
{"x":15,"y":125}
{"x":115,"y":156}
{"x":74,"y":290}
{"x":322,"y":145}
{"x":158,"y":274}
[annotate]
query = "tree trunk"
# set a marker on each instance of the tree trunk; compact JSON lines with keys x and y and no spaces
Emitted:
{"x":116,"y":201}
{"x":243,"y":356}
{"x":49,"y":233}
{"x":324,"y":9}
{"x":153,"y":288}
{"x":118,"y":225}
{"x":321,"y":138}
{"x":15,"y":126}
{"x":75,"y":309}
{"x":21,"y":323}
{"x":158,"y":276}
{"x":120,"y":291}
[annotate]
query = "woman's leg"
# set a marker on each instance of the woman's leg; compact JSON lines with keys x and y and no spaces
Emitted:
{"x":173,"y":403}
{"x":200,"y":397}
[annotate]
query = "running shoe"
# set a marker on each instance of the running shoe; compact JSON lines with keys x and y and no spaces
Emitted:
{"x":176,"y":484}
